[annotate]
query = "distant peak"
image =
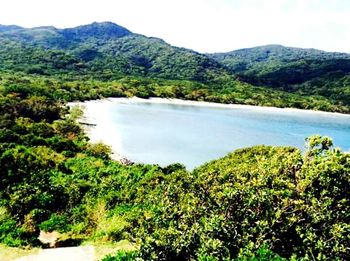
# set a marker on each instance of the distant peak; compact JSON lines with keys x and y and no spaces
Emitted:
{"x":264,"y":47}
{"x":5,"y":28}
{"x":102,"y":26}
{"x":106,"y":23}
{"x":104,"y":30}
{"x":44,"y":27}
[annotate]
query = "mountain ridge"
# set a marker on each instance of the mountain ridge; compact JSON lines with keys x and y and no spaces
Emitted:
{"x":306,"y":71}
{"x":105,"y":24}
{"x":107,"y":47}
{"x":109,"y":51}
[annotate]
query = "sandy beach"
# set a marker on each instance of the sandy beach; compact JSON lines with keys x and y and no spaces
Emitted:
{"x":96,"y":120}
{"x":96,"y":124}
{"x":218,"y":105}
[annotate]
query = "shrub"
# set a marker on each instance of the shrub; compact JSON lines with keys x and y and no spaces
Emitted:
{"x":55,"y":222}
{"x":122,"y":256}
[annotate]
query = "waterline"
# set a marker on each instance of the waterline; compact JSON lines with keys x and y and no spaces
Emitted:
{"x":166,"y":131}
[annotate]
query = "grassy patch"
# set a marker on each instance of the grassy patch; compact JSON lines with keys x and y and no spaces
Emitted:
{"x":103,"y":249}
{"x":12,"y":253}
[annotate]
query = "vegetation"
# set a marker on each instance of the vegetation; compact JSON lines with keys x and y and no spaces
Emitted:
{"x":259,"y":203}
{"x":296,"y":70}
{"x":101,"y":50}
{"x":233,"y":92}
{"x":105,"y":54}
{"x":11,"y":253}
{"x":267,"y":201}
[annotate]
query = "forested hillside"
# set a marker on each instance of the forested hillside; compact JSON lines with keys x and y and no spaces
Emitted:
{"x":259,"y":203}
{"x":286,"y":77}
{"x":304,"y":71}
{"x":101,"y":50}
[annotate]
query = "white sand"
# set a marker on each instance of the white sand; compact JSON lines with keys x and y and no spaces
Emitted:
{"x":219,"y":105}
{"x":96,"y":112}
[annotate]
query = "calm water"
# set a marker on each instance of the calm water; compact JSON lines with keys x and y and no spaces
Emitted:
{"x":168,"y":133}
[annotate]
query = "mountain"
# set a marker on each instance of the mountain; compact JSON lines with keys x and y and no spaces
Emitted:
{"x":307,"y":71}
{"x":279,"y":66}
{"x":264,"y":75}
{"x":259,"y":203}
{"x":271,"y":57}
{"x":51,"y":37}
{"x":101,"y":31}
{"x":102,"y":49}
{"x":6,"y":28}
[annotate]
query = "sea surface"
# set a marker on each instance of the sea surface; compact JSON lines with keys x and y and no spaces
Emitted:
{"x":164,"y":133}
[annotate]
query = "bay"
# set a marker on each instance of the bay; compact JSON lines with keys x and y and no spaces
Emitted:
{"x":163,"y":132}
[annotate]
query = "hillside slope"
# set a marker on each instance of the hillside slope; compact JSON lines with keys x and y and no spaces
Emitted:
{"x":101,"y":49}
{"x":268,"y":75}
{"x":307,"y":71}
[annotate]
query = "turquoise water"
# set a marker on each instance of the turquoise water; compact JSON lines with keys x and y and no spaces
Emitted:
{"x":192,"y":135}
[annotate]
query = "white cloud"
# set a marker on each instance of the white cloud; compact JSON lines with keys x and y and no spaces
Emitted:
{"x":202,"y":25}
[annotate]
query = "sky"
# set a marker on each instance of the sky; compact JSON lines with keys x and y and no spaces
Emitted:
{"x":201,"y":25}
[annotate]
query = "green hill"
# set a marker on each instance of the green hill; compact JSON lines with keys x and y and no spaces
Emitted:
{"x":6,"y":28}
{"x":51,"y":37}
{"x":102,"y":49}
{"x":268,"y":75}
{"x":306,"y":71}
{"x":259,"y":203}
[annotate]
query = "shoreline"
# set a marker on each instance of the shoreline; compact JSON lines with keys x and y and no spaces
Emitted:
{"x":98,"y":128}
{"x":97,"y":116}
{"x":176,"y":101}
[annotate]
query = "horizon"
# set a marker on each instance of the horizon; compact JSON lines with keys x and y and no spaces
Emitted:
{"x":202,"y":26}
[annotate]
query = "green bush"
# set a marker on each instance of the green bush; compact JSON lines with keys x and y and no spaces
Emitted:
{"x":262,"y":202}
{"x":261,"y":254}
{"x":122,"y":256}
{"x":55,"y":222}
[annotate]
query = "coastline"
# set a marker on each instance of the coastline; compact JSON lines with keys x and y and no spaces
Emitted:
{"x":97,"y":127}
{"x":217,"y":105}
{"x":96,"y":122}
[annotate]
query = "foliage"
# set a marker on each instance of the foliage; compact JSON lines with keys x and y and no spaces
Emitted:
{"x":262,"y":254}
{"x":55,"y":222}
{"x":122,"y":256}
{"x":231,"y":92}
{"x":103,"y":50}
{"x":265,"y":202}
{"x":296,"y":70}
{"x":107,"y":60}
{"x":259,"y":203}
{"x":253,"y":198}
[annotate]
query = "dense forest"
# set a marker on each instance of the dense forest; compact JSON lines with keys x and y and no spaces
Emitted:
{"x":106,"y":52}
{"x":259,"y":203}
{"x":295,"y":70}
